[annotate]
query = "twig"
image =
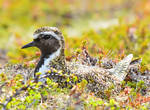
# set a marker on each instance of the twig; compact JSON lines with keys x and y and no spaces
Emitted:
{"x":3,"y":85}
{"x":19,"y":91}
{"x":11,"y":97}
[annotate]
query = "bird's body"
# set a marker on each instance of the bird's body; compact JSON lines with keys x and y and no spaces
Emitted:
{"x":101,"y":80}
{"x":51,"y":43}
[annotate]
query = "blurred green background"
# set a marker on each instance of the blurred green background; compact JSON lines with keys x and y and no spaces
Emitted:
{"x":110,"y":27}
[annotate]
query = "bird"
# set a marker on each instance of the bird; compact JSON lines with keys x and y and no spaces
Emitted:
{"x":51,"y":43}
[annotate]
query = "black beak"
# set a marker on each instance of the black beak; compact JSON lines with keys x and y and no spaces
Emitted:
{"x":31,"y":44}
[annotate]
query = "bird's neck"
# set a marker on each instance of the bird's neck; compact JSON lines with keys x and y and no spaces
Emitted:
{"x":55,"y":60}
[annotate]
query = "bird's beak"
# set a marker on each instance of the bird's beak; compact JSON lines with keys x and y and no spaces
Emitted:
{"x":31,"y":44}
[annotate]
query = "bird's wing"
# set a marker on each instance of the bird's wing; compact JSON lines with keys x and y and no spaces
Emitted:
{"x":119,"y":71}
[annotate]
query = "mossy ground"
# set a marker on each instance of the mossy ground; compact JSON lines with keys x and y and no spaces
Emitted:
{"x":110,"y":28}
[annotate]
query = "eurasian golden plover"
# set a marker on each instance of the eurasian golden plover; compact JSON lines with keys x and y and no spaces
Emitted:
{"x":51,"y":43}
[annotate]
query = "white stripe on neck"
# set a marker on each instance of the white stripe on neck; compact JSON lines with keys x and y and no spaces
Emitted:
{"x":45,"y":67}
{"x":47,"y":33}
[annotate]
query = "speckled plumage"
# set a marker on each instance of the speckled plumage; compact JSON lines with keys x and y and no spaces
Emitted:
{"x":99,"y":79}
{"x":46,"y":29}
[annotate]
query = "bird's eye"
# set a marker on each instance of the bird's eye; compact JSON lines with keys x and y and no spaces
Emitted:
{"x":47,"y":37}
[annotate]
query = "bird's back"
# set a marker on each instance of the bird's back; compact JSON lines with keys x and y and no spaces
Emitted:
{"x":100,"y":79}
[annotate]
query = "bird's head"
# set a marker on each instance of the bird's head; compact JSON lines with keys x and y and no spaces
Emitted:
{"x":47,"y":39}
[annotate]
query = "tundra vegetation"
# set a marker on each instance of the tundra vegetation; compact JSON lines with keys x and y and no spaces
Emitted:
{"x":108,"y":30}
